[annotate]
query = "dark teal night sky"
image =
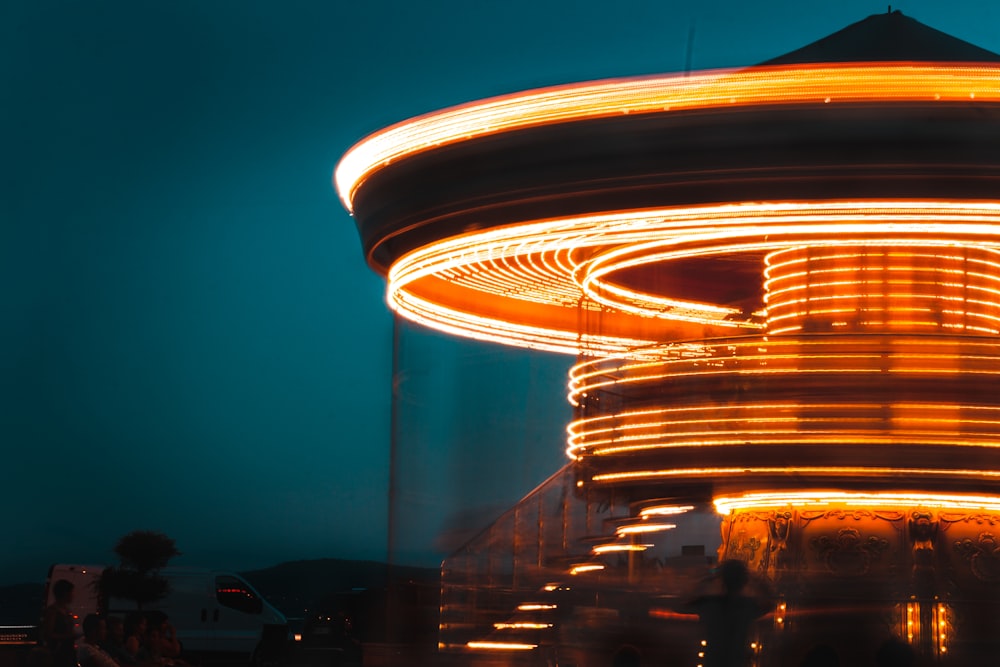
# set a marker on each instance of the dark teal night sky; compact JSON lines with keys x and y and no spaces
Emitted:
{"x":191,"y":341}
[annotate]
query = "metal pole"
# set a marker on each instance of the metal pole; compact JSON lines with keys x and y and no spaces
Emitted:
{"x":390,"y":585}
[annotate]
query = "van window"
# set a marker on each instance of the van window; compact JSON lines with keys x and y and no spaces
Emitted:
{"x":235,"y":594}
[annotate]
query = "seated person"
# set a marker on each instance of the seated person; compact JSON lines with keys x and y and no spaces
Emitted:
{"x":135,"y":637}
{"x":89,"y":652}
{"x":114,"y":643}
{"x":162,"y":642}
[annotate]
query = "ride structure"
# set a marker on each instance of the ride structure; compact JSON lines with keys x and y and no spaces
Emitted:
{"x":782,"y":284}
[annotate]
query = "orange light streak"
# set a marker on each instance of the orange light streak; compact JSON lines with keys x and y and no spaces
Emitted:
{"x":613,"y":548}
{"x":555,"y":273}
{"x":822,"y":498}
{"x":781,"y":85}
{"x":832,"y":471}
{"x":643,"y":528}
{"x":919,"y":290}
{"x":665,"y":510}
{"x":586,"y":567}
{"x":501,"y":646}
{"x":672,"y":615}
{"x":522,"y":626}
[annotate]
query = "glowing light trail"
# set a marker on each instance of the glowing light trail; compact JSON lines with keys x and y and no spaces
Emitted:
{"x":825,"y":471}
{"x":823,"y":84}
{"x":441,"y":285}
{"x":735,"y":345}
{"x":824,"y":498}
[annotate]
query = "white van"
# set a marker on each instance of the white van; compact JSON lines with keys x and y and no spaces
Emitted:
{"x":213,"y":612}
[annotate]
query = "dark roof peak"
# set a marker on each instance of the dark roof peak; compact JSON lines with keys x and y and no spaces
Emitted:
{"x":887,"y":37}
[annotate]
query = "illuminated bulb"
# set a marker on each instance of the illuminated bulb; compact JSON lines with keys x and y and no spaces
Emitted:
{"x":821,"y":498}
{"x":786,"y":85}
{"x":502,"y":646}
{"x":639,"y":528}
{"x":427,"y":285}
{"x":610,"y":548}
{"x":586,"y":567}
{"x":665,"y":510}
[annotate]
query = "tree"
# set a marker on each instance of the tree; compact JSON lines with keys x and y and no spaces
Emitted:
{"x":145,"y":551}
{"x":142,"y":553}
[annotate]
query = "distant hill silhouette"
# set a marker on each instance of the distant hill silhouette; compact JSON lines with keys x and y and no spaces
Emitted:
{"x":292,"y":587}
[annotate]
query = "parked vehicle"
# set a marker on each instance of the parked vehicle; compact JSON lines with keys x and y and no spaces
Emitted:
{"x":215,"y":613}
{"x":332,"y":633}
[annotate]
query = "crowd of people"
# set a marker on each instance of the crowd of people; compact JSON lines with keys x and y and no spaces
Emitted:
{"x":139,"y":639}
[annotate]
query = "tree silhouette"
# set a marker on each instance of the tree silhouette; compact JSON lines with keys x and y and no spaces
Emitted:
{"x":141,"y":553}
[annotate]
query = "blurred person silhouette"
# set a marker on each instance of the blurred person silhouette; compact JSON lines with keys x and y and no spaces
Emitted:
{"x":895,"y":653}
{"x":89,"y":653}
{"x":56,"y":628}
{"x":114,"y":641}
{"x":162,"y":643}
{"x":727,"y":613}
{"x":135,"y":637}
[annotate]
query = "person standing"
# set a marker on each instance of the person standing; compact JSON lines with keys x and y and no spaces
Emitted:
{"x":727,"y":613}
{"x":90,"y":653}
{"x":56,"y":629}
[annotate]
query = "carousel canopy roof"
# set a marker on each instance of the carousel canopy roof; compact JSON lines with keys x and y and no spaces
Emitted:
{"x":887,"y":37}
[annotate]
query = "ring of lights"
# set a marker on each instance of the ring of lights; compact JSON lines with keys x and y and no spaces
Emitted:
{"x":526,"y":284}
{"x":823,"y":85}
{"x":735,"y":409}
{"x":783,"y":284}
{"x":753,"y":262}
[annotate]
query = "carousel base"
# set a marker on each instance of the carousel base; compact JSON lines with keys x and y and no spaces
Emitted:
{"x":854,"y":573}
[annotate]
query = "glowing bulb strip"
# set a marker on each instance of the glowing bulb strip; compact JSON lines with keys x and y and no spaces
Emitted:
{"x":501,"y":646}
{"x":586,"y":567}
{"x":665,"y":510}
{"x":565,"y":264}
{"x":786,"y":361}
{"x":643,"y":528}
{"x":714,"y":242}
{"x":501,"y":331}
{"x":522,"y":626}
{"x":801,"y":425}
{"x":781,"y":85}
{"x":826,"y":471}
{"x":614,"y":548}
{"x":874,"y":287}
{"x":811,"y":499}
{"x":800,"y":439}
